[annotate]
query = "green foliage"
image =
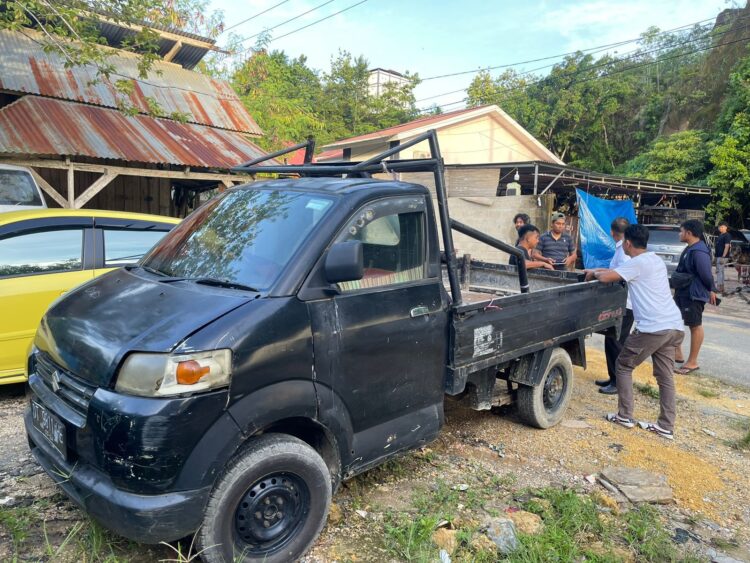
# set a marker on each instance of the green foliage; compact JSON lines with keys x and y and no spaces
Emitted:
{"x":647,"y":389}
{"x":680,"y":158}
{"x":291,"y":101}
{"x":730,"y":154}
{"x":646,"y":534}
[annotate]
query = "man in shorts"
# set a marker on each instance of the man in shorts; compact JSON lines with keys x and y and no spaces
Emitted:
{"x":695,"y":261}
{"x":658,"y":331}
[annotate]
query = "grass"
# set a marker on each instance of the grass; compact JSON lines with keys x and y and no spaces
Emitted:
{"x":648,"y":390}
{"x":575,"y":529}
{"x":744,"y":442}
{"x":34,"y":539}
{"x":707,"y":393}
{"x":645,"y":533}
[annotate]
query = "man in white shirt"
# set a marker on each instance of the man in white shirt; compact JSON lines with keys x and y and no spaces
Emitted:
{"x":658,"y":330}
{"x":613,"y":346}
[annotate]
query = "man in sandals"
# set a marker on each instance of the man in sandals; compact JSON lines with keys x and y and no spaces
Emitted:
{"x":658,"y":330}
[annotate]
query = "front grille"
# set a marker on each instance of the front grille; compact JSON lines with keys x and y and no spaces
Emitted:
{"x":73,"y":392}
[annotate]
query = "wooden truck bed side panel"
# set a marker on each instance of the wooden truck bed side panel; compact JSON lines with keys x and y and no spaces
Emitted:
{"x":504,"y":328}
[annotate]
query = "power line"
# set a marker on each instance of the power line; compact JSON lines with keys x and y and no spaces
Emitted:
{"x":599,"y":47}
{"x":320,"y":20}
{"x":632,"y":54}
{"x":619,"y":71}
{"x":298,"y":16}
{"x":255,"y":16}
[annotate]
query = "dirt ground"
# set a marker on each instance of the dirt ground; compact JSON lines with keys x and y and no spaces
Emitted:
{"x":490,"y":458}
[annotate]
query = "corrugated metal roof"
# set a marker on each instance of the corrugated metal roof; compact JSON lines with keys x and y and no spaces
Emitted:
{"x":26,"y":68}
{"x":44,"y":126}
{"x":188,"y":56}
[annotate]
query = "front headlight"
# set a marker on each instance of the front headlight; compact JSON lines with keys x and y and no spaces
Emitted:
{"x":160,"y":375}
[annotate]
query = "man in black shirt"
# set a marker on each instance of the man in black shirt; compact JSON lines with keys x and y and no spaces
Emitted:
{"x":721,"y":251}
{"x":528,"y":238}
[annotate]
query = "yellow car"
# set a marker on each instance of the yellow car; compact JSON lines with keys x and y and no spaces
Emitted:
{"x":44,"y":253}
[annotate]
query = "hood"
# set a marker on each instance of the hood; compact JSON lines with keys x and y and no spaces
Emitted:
{"x":90,"y":330}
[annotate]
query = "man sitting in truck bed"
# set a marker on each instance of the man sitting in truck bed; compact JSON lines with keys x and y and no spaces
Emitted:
{"x":528,"y":238}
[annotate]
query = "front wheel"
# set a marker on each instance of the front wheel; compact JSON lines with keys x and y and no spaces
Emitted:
{"x":270,"y":504}
{"x":544,"y":405}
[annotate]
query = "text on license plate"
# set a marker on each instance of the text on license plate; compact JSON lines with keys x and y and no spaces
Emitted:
{"x":50,"y":426}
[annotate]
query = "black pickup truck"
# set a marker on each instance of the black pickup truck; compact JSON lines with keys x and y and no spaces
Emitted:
{"x":290,"y":334}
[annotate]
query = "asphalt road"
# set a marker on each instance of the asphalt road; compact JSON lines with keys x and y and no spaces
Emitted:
{"x":725,"y":353}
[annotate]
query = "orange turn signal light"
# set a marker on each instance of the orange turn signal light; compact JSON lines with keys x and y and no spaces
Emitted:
{"x":190,"y":372}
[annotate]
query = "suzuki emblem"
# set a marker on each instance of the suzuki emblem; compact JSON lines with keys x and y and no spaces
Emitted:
{"x":56,"y":381}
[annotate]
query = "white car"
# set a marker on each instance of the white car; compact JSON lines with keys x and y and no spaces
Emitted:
{"x":18,"y":189}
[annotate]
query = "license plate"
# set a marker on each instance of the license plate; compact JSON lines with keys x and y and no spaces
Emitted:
{"x":50,"y":426}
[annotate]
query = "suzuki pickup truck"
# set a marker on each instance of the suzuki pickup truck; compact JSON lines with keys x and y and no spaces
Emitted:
{"x":286,"y":336}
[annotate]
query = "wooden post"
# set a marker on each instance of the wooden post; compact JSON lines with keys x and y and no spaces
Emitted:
{"x":49,"y":190}
{"x":94,"y":189}
{"x":71,"y":185}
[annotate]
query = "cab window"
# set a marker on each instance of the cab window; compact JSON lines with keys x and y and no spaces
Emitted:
{"x":127,"y":246}
{"x":393,"y":245}
{"x":41,"y":252}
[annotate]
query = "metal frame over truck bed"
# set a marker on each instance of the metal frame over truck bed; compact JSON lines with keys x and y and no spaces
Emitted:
{"x":497,"y":332}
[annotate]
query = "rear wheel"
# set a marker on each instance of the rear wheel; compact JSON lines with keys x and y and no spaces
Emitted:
{"x":544,"y":405}
{"x":270,"y":504}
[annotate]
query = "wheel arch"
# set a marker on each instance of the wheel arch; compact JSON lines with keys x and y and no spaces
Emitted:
{"x":315,"y":435}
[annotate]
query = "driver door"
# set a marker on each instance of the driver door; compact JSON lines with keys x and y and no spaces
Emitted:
{"x":380,"y":343}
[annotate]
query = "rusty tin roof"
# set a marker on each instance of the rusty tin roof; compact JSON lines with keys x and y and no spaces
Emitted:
{"x":33,"y":125}
{"x":26,"y":68}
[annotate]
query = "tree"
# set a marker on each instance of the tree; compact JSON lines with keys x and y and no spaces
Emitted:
{"x":680,"y":158}
{"x":283,"y":95}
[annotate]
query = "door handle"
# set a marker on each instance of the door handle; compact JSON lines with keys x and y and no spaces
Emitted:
{"x":419,"y":311}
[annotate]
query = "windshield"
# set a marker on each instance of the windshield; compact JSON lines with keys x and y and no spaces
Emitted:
{"x":246,"y":237}
{"x":664,"y":235}
{"x":17,"y":188}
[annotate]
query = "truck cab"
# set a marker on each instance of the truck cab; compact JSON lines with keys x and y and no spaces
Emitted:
{"x":18,"y":189}
{"x":286,"y":336}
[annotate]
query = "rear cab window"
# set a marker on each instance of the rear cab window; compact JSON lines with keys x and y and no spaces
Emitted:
{"x":17,"y":187}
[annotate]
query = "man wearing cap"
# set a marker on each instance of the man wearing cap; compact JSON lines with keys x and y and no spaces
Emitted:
{"x":556,"y":247}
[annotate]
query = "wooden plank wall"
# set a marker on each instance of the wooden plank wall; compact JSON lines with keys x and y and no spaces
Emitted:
{"x":125,"y":193}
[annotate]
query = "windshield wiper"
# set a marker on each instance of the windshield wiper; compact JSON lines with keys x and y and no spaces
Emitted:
{"x":222,"y":283}
{"x":151,"y":270}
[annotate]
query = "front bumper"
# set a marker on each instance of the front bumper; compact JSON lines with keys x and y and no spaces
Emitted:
{"x":149,"y":518}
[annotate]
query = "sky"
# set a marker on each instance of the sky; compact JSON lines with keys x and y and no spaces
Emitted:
{"x":436,"y":37}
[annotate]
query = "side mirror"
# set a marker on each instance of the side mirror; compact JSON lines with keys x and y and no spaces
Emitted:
{"x":344,"y":262}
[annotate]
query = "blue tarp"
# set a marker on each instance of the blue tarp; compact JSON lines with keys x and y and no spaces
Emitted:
{"x":595,"y":216}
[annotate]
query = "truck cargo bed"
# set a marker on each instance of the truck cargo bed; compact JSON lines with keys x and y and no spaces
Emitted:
{"x":497,"y":323}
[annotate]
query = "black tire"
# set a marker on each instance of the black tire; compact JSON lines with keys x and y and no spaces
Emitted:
{"x":269,"y":505}
{"x":544,"y":405}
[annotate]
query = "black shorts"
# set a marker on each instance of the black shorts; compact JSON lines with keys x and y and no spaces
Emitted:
{"x":691,"y":310}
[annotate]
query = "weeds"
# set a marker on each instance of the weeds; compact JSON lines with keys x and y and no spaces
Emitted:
{"x":645,"y":534}
{"x":648,"y":390}
{"x":707,"y":393}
